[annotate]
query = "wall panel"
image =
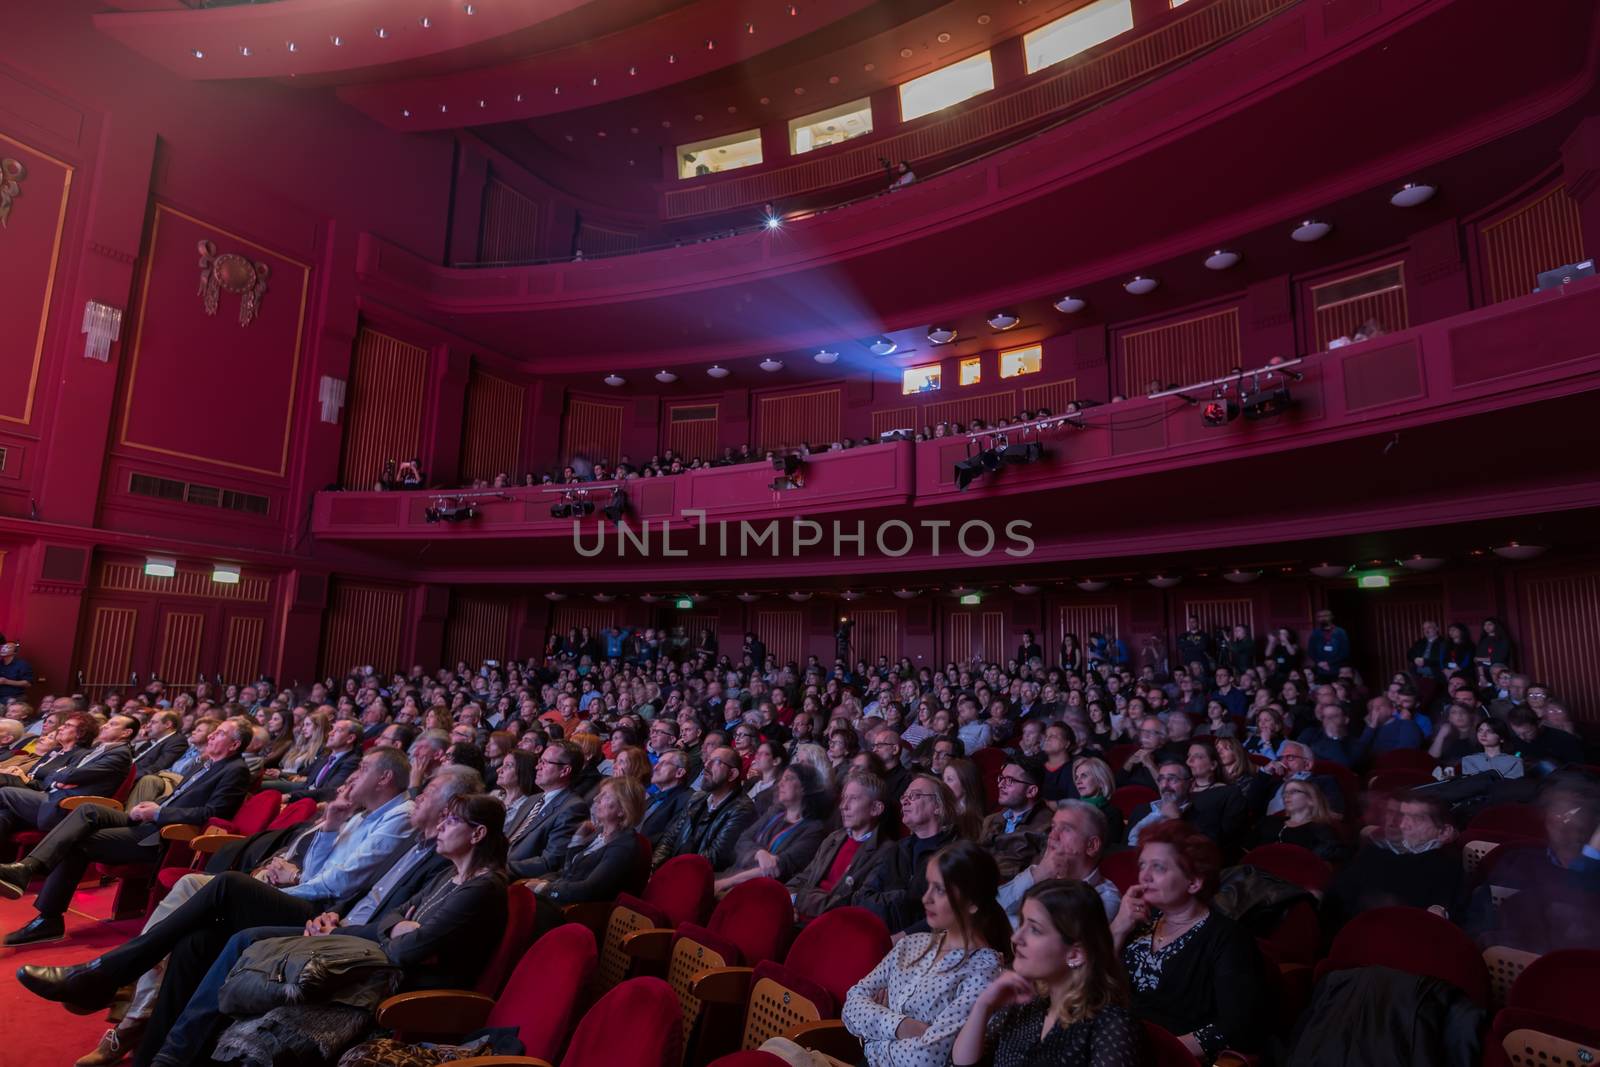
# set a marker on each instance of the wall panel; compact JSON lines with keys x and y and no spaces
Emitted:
{"x":364,"y":625}
{"x":33,"y":231}
{"x":178,"y":659}
{"x":692,"y":430}
{"x":1219,"y":611}
{"x":788,"y":419}
{"x":510,"y":231}
{"x":1561,"y":617}
{"x":1543,"y":233}
{"x":1196,"y":349}
{"x":491,"y":431}
{"x":241,"y":658}
{"x":108,"y":659}
{"x":991,"y":408}
{"x":569,"y":616}
{"x":477,"y":628}
{"x":1378,"y":294}
{"x":591,"y":428}
{"x":783,"y":631}
{"x":1391,"y":625}
{"x":877,"y":633}
{"x":383,"y":415}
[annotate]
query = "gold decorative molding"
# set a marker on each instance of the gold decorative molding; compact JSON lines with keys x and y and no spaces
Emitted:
{"x":12,"y":172}
{"x":234,"y":273}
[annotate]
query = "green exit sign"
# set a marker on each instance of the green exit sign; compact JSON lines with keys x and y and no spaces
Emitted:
{"x":1373,"y":581}
{"x":684,"y":604}
{"x":972,"y":598}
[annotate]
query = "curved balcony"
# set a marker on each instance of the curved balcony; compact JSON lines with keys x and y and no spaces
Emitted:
{"x":1386,"y":434}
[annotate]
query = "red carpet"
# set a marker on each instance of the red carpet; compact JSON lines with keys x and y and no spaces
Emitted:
{"x":37,"y":1033}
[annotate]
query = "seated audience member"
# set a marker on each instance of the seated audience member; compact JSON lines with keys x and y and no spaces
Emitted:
{"x":1057,"y":745}
{"x":443,"y":939}
{"x":96,"y":834}
{"x":1542,"y":748}
{"x":766,"y":764}
{"x":517,"y":787}
{"x":558,"y":811}
{"x":669,"y":792}
{"x":909,"y":1009}
{"x":1412,"y":862}
{"x":711,"y":822}
{"x":93,"y":761}
{"x":1140,"y":766}
{"x":839,"y":871}
{"x":1494,"y":737}
{"x":1331,"y":739}
{"x":1220,"y":817}
{"x":1457,"y":735}
{"x":1093,"y":779}
{"x":1264,"y":791}
{"x":1218,"y":805}
{"x":781,"y":842}
{"x":161,"y":742}
{"x":195,"y":920}
{"x":1015,"y":833}
{"x":1064,"y":1003}
{"x":603,"y":855}
{"x":1269,"y":735}
{"x":1393,"y":728}
{"x":306,"y":750}
{"x":1078,"y":837}
{"x":1305,"y":821}
{"x":894,"y":891}
{"x":965,"y":782}
{"x":1192,"y":970}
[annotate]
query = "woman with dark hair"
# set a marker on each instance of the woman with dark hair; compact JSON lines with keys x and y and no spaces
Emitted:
{"x":965,"y":782}
{"x":280,"y":737}
{"x":1071,"y":654}
{"x":1269,"y":734}
{"x":1218,"y":723}
{"x":517,"y":786}
{"x":1058,"y":745}
{"x":1494,"y":646}
{"x":766,"y":764}
{"x":1494,"y":738}
{"x":1193,"y":971}
{"x":781,"y":842}
{"x":1104,"y":730}
{"x":1064,"y":1003}
{"x":1458,"y":648}
{"x":908,"y":1010}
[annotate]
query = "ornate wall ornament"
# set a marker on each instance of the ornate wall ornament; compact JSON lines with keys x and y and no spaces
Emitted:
{"x":234,"y":273}
{"x":11,"y":174}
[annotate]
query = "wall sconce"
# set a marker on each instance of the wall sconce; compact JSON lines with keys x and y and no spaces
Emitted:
{"x":103,"y":324}
{"x":225,"y":573}
{"x":331,"y":393}
{"x":160,"y":566}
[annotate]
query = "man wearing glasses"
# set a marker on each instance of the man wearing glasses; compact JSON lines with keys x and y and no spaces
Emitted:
{"x":895,"y":888}
{"x":669,"y":793}
{"x":558,"y":812}
{"x":1016,"y":833}
{"x":712,"y":821}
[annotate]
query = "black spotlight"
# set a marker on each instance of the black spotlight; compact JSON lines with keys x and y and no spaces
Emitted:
{"x":1218,"y":412}
{"x":990,"y":459}
{"x":617,"y":507}
{"x":572,"y":506}
{"x":1265,"y":405}
{"x":966,"y":470}
{"x":790,"y":469}
{"x":1026,"y":452}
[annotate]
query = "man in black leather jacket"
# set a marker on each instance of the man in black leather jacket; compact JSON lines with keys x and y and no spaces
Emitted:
{"x":713,"y":820}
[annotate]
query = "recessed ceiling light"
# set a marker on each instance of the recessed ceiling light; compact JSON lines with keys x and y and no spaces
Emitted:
{"x":483,"y":103}
{"x":769,"y":364}
{"x":1221,"y":259}
{"x":1139,"y":285}
{"x":944,"y":38}
{"x":1003,"y":320}
{"x":1071,"y":305}
{"x":833,"y":79}
{"x":633,"y":72}
{"x":519,"y":98}
{"x":711,"y":45}
{"x":406,"y":113}
{"x":244,"y":50}
{"x":1413,"y":193}
{"x":443,"y":108}
{"x":337,"y":40}
{"x":750,"y":27}
{"x":291,"y":46}
{"x":469,"y":9}
{"x":381,"y":33}
{"x":1311,"y":230}
{"x":941,"y":335}
{"x":983,"y":20}
{"x":716,"y":371}
{"x":825,"y":357}
{"x":615,"y":380}
{"x":793,"y":10}
{"x":557,"y":91}
{"x":882,"y":347}
{"x":197,"y":53}
{"x":666,"y":377}
{"x":425,"y":22}
{"x":906,"y":53}
{"x":594,"y":81}
{"x":672,"y":57}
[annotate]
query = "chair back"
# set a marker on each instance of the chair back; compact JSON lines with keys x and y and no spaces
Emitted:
{"x":122,"y":791}
{"x":258,"y":811}
{"x":1165,"y":1049}
{"x":1292,"y":863}
{"x":682,"y":889}
{"x":749,"y":1058}
{"x":1414,"y":941}
{"x":1122,"y":868}
{"x":1127,"y":798}
{"x":1407,"y":759}
{"x":293,"y":814}
{"x":1559,"y":983}
{"x":629,"y":914}
{"x":838,"y":949}
{"x":1505,"y":967}
{"x":775,"y":1010}
{"x":1524,"y":819}
{"x":637,"y":1024}
{"x":514,"y":941}
{"x":757,"y":917}
{"x":542,"y":996}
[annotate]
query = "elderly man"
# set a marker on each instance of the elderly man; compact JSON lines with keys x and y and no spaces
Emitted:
{"x":1078,"y":838}
{"x":96,"y":766}
{"x":711,"y":822}
{"x":1264,"y":792}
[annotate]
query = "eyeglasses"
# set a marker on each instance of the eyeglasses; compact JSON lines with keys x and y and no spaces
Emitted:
{"x":732,"y":765}
{"x":450,"y":818}
{"x":906,"y":797}
{"x":1012,"y":779}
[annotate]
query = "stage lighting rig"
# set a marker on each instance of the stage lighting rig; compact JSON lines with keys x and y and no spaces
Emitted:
{"x":791,"y":472}
{"x":617,"y":506}
{"x":574,"y":504}
{"x":450,"y":509}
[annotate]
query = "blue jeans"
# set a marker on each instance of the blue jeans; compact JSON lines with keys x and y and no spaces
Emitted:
{"x":190,"y":1038}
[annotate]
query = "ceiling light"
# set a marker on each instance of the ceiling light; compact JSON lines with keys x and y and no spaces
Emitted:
{"x":941,"y":335}
{"x":160,"y":566}
{"x":800,"y":598}
{"x":666,"y":377}
{"x":1091,"y":585}
{"x":1024,"y":589}
{"x":381,"y":33}
{"x":225,"y":573}
{"x":425,"y":22}
{"x":615,"y":380}
{"x":1164,"y":581}
{"x":793,"y":10}
{"x":604,"y":598}
{"x":291,"y":46}
{"x":197,"y":53}
{"x":554,"y":596}
{"x":1002,"y":320}
{"x":1330,"y":570}
{"x":747,"y":598}
{"x":244,"y":50}
{"x":962,"y":590}
{"x":850,"y":596}
{"x":1421,"y":563}
{"x":1221,"y":259}
{"x":711,"y":45}
{"x":769,"y":364}
{"x":649,"y":598}
{"x":717,"y":372}
{"x":594,"y":81}
{"x":1413,"y":193}
{"x":443,"y":108}
{"x":1311,"y":230}
{"x":406,"y":112}
{"x":483,"y":103}
{"x":750,"y":27}
{"x":1515,"y":551}
{"x":825,"y":357}
{"x":337,"y":40}
{"x":469,"y":9}
{"x":1139,"y":285}
{"x":672,"y":57}
{"x":1071,"y":305}
{"x":882,"y":347}
{"x":1241,"y":577}
{"x":907,"y":594}
{"x":633,"y":72}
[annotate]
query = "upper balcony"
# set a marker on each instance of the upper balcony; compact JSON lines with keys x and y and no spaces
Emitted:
{"x":1481,"y":415}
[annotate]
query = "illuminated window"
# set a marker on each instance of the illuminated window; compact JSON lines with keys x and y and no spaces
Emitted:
{"x":920,"y":380}
{"x":1021,"y":361}
{"x":972,"y":370}
{"x":946,"y":86}
{"x":1071,"y":34}
{"x":728,"y":152}
{"x":830,"y":127}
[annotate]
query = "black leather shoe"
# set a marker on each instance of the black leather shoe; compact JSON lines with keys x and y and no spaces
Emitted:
{"x":14,"y":879}
{"x":43,"y":928}
{"x":84,"y":989}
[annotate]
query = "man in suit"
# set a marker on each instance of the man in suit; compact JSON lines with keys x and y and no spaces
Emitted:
{"x":340,"y":756}
{"x":559,"y":811}
{"x":95,"y":765}
{"x":845,"y":861}
{"x":93,"y":833}
{"x":669,"y":782}
{"x":160,"y":744}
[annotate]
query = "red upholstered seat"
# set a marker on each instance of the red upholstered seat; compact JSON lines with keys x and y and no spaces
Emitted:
{"x":542,"y":996}
{"x":1127,"y":798}
{"x":255,"y":814}
{"x":756,"y":918}
{"x":838,"y":949}
{"x":1414,"y":941}
{"x":680,"y":891}
{"x":1292,"y":863}
{"x":1165,"y":1050}
{"x":991,"y":761}
{"x":1524,"y":819}
{"x":637,"y":1024}
{"x":749,"y":1058}
{"x":1408,"y":759}
{"x":293,"y":814}
{"x":1399,"y":778}
{"x":514,"y":941}
{"x":1560,"y":984}
{"x":1122,"y":868}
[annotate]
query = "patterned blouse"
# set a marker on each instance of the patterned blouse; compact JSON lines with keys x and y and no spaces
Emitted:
{"x":1109,"y":1038}
{"x":938,"y":988}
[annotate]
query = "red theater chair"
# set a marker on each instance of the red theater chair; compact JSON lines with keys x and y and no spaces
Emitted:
{"x":1292,"y":863}
{"x":1165,"y":1050}
{"x":634,"y":1025}
{"x":1549,"y":1013}
{"x":1414,"y":941}
{"x":1122,"y":868}
{"x":680,"y":891}
{"x":1127,"y":798}
{"x":514,"y":941}
{"x":1404,"y":759}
